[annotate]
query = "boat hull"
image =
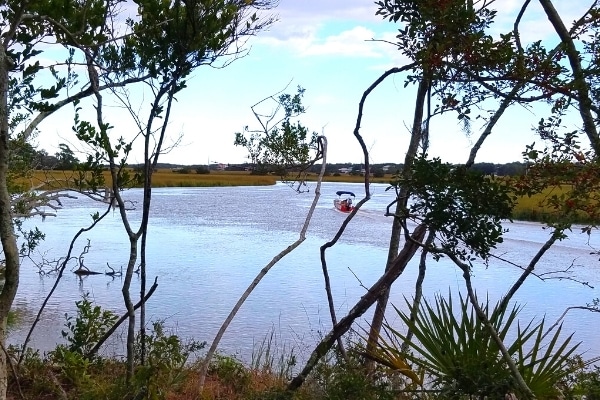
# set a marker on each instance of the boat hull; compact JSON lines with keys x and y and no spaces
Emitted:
{"x":340,"y":205}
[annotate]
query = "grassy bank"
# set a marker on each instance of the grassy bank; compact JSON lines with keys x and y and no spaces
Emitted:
{"x":527,"y":208}
{"x":170,"y":178}
{"x":535,"y":208}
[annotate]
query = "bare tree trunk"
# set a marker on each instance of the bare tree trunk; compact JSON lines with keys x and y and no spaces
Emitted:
{"x":416,"y":136}
{"x":418,"y":289}
{"x":130,"y":309}
{"x":7,"y":235}
{"x":365,"y":302}
{"x":581,"y":86}
{"x":3,"y":361}
{"x":265,"y":270}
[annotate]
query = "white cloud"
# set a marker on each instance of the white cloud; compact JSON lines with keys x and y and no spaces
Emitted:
{"x":353,"y":42}
{"x":359,"y":41}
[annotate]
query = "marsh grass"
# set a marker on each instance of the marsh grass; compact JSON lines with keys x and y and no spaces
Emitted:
{"x":169,"y":178}
{"x":535,"y":208}
{"x":526,"y":209}
{"x":160,"y":178}
{"x":272,"y":356}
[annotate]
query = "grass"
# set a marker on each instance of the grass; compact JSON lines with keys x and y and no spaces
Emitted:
{"x":526,"y":209}
{"x":168,"y":178}
{"x":534,"y":208}
{"x":161,"y":178}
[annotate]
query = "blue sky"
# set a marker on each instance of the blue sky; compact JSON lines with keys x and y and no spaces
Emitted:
{"x":325,"y":47}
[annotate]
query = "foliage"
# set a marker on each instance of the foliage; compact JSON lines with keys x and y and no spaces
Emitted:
{"x":184,"y":171}
{"x":462,"y":358}
{"x":464,"y":207}
{"x":66,"y":158}
{"x":230,"y":371}
{"x":82,"y":333}
{"x":337,"y":379}
{"x":588,"y":383}
{"x":202,"y":170}
{"x":283,"y":145}
{"x":89,"y":325}
{"x":567,"y":177}
{"x":378,"y":173}
{"x":387,"y":353}
{"x":166,"y":358}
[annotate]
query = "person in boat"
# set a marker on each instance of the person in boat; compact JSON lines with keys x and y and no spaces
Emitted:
{"x":349,"y":202}
{"x":344,"y":205}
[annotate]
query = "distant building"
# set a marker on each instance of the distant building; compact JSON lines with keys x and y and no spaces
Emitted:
{"x":345,"y":170}
{"x":218,"y":167}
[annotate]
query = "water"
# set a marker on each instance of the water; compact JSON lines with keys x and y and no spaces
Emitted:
{"x":207,"y":244}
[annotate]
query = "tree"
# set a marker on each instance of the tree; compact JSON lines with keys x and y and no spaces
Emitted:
{"x":458,"y":67}
{"x":282,"y":145}
{"x":162,"y":47}
{"x":65,"y":157}
{"x":286,"y":145}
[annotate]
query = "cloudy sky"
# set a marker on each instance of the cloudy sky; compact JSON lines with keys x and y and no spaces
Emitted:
{"x":327,"y":47}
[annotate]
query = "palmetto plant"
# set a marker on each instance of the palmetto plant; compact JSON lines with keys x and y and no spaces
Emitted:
{"x":461,"y":358}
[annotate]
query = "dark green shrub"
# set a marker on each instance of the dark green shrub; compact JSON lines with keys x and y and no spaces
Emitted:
{"x":166,"y":358}
{"x":231,"y":372}
{"x":82,"y":333}
{"x":336,"y":378}
{"x":202,"y":170}
{"x":583,"y":379}
{"x":89,"y":325}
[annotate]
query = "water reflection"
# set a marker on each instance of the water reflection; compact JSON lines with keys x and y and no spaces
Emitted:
{"x":207,"y":244}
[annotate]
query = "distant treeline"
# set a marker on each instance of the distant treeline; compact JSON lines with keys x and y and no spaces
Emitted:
{"x":65,"y":159}
{"x":509,"y":169}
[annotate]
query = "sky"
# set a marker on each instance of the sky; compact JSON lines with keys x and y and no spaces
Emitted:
{"x":326,"y":47}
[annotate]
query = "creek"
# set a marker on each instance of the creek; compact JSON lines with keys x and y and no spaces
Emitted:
{"x":206,"y":245}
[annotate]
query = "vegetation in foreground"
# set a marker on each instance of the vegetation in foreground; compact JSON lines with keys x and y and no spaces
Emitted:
{"x":453,"y":356}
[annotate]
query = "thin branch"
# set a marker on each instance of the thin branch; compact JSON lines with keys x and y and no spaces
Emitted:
{"x":58,"y":278}
{"x":361,"y":306}
{"x":13,"y":370}
{"x":266,"y":269}
{"x":564,"y":314}
{"x":112,"y":330}
{"x":515,"y":287}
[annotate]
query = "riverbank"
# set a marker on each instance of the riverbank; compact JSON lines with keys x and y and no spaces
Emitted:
{"x":526,"y":209}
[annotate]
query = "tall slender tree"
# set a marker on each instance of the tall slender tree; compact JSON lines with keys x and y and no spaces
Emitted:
{"x":159,"y":47}
{"x":459,"y":67}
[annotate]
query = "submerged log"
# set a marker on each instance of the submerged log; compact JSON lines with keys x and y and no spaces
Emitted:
{"x":85,"y":272}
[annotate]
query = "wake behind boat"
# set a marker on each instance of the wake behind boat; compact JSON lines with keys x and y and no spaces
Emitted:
{"x":344,"y":201}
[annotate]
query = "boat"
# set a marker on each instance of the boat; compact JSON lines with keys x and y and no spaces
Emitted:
{"x":344,"y":201}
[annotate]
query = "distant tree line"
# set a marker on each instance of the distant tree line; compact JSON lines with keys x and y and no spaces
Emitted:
{"x":65,"y":159}
{"x":508,"y":169}
{"x":22,"y":153}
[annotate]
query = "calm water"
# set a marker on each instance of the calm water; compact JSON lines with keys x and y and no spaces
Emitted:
{"x":207,"y":244}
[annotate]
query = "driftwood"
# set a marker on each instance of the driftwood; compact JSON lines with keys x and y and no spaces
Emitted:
{"x":85,"y":272}
{"x":58,"y":278}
